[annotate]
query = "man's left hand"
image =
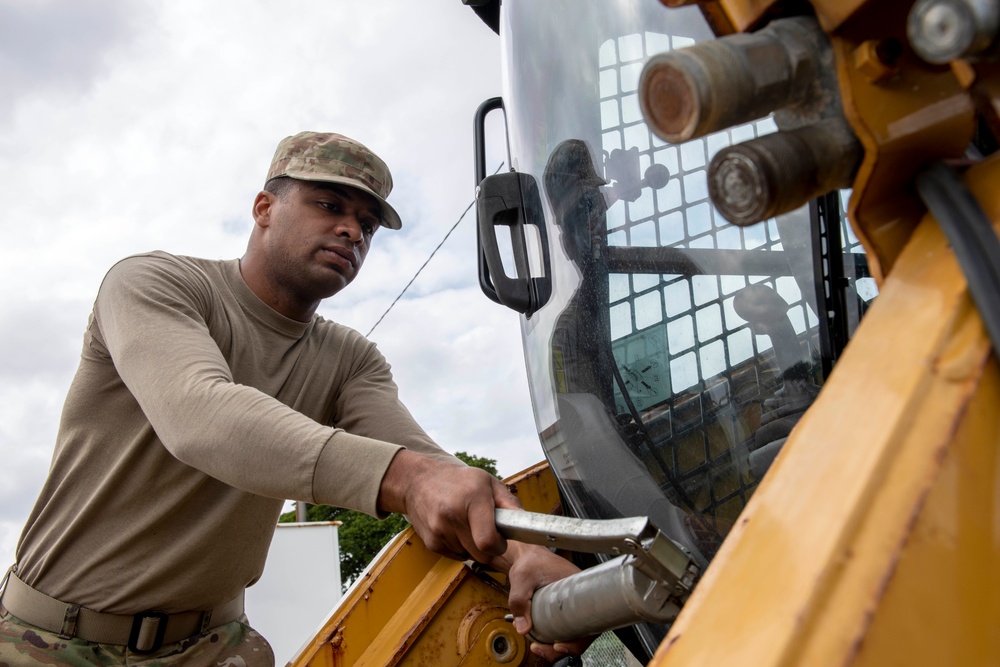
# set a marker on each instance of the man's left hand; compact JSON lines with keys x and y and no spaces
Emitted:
{"x":530,"y":567}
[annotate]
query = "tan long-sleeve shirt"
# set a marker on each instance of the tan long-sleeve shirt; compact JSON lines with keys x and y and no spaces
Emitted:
{"x":195,"y":411}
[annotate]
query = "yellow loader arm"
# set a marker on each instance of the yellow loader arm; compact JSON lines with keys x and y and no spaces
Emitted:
{"x":872,"y":541}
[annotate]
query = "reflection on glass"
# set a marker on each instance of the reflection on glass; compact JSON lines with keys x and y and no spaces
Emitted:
{"x":603,"y":436}
{"x":677,"y":351}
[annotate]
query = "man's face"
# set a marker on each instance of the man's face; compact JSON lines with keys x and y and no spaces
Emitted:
{"x":317,"y":236}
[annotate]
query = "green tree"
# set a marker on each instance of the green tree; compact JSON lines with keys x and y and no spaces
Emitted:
{"x":481,"y":462}
{"x":360,"y":536}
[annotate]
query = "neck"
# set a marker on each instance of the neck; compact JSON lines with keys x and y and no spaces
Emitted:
{"x":265,"y":286}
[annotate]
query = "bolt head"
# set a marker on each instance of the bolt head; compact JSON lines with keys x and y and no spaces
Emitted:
{"x":941,"y":30}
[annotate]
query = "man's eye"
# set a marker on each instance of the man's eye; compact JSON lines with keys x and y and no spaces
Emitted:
{"x":329,"y":206}
{"x":369,"y":227}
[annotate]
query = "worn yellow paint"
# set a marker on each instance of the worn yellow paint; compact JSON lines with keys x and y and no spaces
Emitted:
{"x":413,"y":607}
{"x":875,"y":538}
{"x":486,"y":636}
{"x":942,"y":603}
{"x":831,"y":562}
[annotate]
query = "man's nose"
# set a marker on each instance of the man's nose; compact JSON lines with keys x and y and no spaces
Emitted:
{"x":350,"y":228}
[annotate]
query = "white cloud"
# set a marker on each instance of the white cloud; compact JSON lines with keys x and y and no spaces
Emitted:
{"x":130,"y":126}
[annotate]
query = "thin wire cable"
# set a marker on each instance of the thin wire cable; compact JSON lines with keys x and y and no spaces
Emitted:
{"x":427,"y":261}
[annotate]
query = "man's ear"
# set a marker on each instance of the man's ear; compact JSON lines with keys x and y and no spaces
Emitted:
{"x":262,"y":204}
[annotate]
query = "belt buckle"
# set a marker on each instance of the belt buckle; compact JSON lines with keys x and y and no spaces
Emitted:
{"x":138,"y":621}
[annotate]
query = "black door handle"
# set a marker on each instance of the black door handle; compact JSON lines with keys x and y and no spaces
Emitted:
{"x":511,"y":200}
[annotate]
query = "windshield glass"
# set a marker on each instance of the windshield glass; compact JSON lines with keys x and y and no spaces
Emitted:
{"x":676,"y":351}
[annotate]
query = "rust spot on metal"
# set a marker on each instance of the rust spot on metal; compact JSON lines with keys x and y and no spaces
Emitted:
{"x":670,"y":643}
{"x":910,"y":527}
{"x":670,"y":103}
{"x":416,"y":633}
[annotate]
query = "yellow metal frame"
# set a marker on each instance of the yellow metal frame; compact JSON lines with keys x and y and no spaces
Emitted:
{"x":413,"y":607}
{"x":873,"y":538}
{"x":903,"y":116}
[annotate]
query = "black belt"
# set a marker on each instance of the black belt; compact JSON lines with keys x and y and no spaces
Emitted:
{"x":144,"y":632}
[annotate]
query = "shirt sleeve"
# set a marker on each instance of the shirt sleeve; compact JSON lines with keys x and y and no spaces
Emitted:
{"x":368,"y":404}
{"x":151,"y":316}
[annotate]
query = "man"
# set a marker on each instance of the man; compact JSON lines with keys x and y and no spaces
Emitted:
{"x":208,"y":392}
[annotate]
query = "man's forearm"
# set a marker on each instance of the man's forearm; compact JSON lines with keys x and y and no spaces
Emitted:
{"x":392,"y":492}
{"x":450,"y":505}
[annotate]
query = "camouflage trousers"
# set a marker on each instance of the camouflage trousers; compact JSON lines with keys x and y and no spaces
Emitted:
{"x":235,"y":644}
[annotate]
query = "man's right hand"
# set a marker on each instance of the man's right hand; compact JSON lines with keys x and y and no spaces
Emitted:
{"x":450,"y":505}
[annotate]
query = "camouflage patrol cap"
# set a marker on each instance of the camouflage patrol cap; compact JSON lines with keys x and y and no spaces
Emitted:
{"x":334,"y":158}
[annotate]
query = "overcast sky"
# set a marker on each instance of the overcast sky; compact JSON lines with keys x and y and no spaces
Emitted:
{"x":132,"y":126}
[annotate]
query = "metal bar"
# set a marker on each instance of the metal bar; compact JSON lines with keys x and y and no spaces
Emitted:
{"x":582,"y":535}
{"x":697,"y":261}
